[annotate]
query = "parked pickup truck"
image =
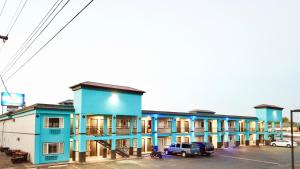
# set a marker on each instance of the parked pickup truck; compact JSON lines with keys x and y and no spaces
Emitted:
{"x":185,"y":149}
{"x":206,"y":148}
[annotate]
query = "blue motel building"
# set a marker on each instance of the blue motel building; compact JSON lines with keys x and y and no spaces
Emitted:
{"x":107,"y":121}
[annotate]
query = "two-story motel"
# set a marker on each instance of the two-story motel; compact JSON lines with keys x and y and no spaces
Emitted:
{"x":107,"y":121}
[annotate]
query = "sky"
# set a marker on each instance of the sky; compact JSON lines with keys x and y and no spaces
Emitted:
{"x":224,"y":55}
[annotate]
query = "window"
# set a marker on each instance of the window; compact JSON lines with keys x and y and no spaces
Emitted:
{"x":172,"y":145}
{"x":54,"y":122}
{"x":186,"y":146}
{"x":53,"y":148}
{"x":177,"y":145}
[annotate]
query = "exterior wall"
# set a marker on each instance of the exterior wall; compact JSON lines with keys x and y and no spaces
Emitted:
{"x":91,"y":101}
{"x":52,"y":135}
{"x":19,"y":133}
{"x":111,"y":104}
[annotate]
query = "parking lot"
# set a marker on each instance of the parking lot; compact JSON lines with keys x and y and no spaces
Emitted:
{"x":232,"y":158}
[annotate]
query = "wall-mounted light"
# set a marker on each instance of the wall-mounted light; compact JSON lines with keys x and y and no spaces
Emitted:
{"x":114,"y":99}
{"x":83,"y":116}
{"x":37,"y":116}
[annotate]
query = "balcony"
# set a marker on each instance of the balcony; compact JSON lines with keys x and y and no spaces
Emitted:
{"x":242,"y":129}
{"x":261,"y":129}
{"x":213,"y":130}
{"x":164,"y":130}
{"x":231,"y":129}
{"x":123,"y":131}
{"x":252,"y":129}
{"x":94,"y":131}
{"x":199,"y":130}
{"x":183,"y":130}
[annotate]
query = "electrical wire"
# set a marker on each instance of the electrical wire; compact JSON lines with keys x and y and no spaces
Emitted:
{"x":50,"y":40}
{"x":32,"y":34}
{"x":22,"y":53}
{"x":3,"y":7}
{"x":4,"y":84}
{"x":16,"y":16}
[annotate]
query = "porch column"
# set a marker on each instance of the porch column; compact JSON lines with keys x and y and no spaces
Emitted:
{"x":266,"y":133}
{"x":219,"y":144}
{"x":105,"y":133}
{"x":257,"y":132}
{"x":192,"y":129}
{"x":154,"y":133}
{"x":281,"y":132}
{"x":205,"y":130}
{"x":74,"y":140}
{"x":131,"y":128}
{"x":174,"y":130}
{"x":105,"y":125}
{"x":247,"y":134}
{"x":139,"y":136}
{"x":82,"y":137}
{"x":237,"y":133}
{"x":113,"y":135}
{"x":226,"y":144}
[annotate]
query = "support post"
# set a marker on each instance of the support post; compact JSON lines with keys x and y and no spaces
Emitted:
{"x":139,"y":136}
{"x":174,"y":130}
{"x":192,"y":129}
{"x":113,"y":134}
{"x":154,"y":134}
{"x":205,"y":130}
{"x":237,"y":131}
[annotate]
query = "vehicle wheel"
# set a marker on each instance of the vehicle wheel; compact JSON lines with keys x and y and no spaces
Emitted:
{"x":274,"y":145}
{"x":183,"y":154}
{"x":288,"y":146}
{"x":167,"y":152}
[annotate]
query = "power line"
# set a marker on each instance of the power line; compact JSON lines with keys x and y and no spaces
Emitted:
{"x":3,"y":7}
{"x":50,"y":40}
{"x":13,"y":21}
{"x":4,"y":84}
{"x":22,"y":53}
{"x":15,"y":57}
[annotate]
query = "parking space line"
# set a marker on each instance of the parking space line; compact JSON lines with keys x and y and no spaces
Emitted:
{"x":248,"y":159}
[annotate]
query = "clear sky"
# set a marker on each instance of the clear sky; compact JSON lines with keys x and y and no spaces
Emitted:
{"x":226,"y":56}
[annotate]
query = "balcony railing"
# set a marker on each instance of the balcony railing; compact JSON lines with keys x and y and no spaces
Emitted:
{"x":252,"y":129}
{"x":213,"y":130}
{"x":242,"y":129}
{"x":94,"y":131}
{"x":198,"y":130}
{"x":261,"y":129}
{"x":231,"y":129}
{"x":164,"y":130}
{"x":122,"y":131}
{"x":183,"y":130}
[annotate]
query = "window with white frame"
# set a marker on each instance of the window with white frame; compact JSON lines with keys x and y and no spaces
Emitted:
{"x":53,"y":148}
{"x":54,"y":122}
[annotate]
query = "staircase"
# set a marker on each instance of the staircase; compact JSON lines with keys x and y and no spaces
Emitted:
{"x":107,"y":145}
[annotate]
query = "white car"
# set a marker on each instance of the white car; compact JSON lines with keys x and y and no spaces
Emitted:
{"x":283,"y":143}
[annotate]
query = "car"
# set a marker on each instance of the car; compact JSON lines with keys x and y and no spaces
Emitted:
{"x":283,"y":143}
{"x":206,"y":148}
{"x":185,"y":149}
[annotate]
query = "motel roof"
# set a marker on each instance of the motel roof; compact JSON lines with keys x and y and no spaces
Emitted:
{"x":95,"y":85}
{"x":261,"y":106}
{"x":40,"y":106}
{"x":171,"y":113}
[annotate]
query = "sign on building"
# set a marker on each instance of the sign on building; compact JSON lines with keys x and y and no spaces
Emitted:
{"x":12,"y":99}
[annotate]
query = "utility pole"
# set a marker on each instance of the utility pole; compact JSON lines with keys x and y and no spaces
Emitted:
{"x":4,"y":38}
